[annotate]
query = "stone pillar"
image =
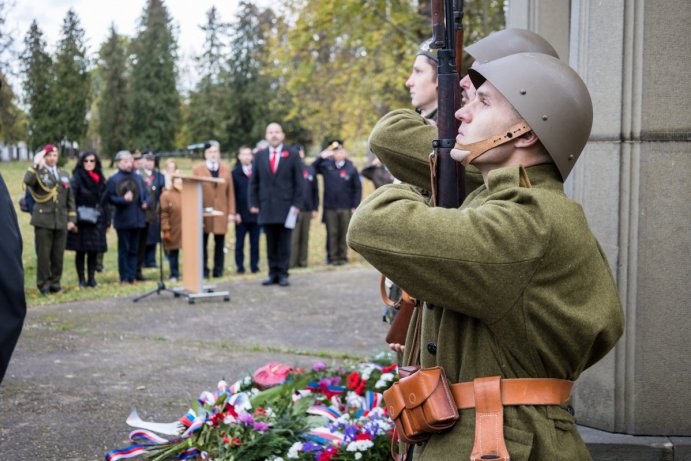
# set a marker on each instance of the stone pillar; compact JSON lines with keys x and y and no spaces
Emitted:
{"x":633,"y":181}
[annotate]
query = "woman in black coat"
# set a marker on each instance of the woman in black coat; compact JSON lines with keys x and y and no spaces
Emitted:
{"x":89,"y":186}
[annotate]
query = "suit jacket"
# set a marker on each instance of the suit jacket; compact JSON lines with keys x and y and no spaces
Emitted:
{"x":55,"y":205}
{"x":241,"y":183}
{"x":220,"y":197}
{"x":310,"y":192}
{"x":12,"y":301}
{"x":342,"y":186}
{"x":275,"y":193}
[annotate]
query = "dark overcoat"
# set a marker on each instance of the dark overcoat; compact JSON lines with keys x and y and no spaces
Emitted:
{"x":310,"y":191}
{"x":88,"y":193}
{"x":12,"y":300}
{"x":275,"y":193}
{"x":128,"y":215}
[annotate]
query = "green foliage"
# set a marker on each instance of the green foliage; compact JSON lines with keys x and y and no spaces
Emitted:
{"x":341,"y":61}
{"x":39,"y":90}
{"x":12,"y":120}
{"x":208,"y":108}
{"x":73,"y":81}
{"x":113,"y":107}
{"x":154,"y":103}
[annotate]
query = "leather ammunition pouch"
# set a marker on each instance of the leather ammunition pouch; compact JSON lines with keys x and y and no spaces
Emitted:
{"x":421,"y":405}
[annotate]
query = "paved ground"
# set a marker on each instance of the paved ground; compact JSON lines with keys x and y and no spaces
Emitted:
{"x":80,"y":368}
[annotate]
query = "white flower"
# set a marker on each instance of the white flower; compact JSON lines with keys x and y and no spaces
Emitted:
{"x":228,"y":419}
{"x":367,"y":371}
{"x":294,"y":451}
{"x":358,"y":455}
{"x":360,"y":445}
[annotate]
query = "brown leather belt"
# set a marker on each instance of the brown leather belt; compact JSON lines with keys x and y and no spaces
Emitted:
{"x":523,"y":391}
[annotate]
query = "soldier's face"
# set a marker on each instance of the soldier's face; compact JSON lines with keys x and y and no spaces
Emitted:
{"x":339,"y":155}
{"x":274,"y":134}
{"x":489,"y":114}
{"x":51,"y":158}
{"x":467,"y":88}
{"x":149,"y":164}
{"x":422,"y":86}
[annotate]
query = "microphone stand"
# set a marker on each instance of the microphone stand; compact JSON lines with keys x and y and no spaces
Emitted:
{"x":160,"y":285}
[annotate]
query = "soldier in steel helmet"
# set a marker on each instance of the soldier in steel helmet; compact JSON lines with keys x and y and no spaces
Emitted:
{"x":403,"y":138}
{"x":515,"y":283}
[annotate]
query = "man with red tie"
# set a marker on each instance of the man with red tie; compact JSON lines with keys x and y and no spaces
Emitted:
{"x":275,"y":192}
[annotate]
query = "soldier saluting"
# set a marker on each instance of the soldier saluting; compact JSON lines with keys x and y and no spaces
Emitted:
{"x":53,"y":215}
{"x":516,"y":284}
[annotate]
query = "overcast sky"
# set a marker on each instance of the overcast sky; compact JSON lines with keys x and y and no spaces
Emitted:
{"x":97,"y":16}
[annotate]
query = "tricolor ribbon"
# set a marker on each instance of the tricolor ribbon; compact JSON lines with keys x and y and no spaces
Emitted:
{"x":328,"y":412}
{"x":126,"y":453}
{"x":324,"y":436}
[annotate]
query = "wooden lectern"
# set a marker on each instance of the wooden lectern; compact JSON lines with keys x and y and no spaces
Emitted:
{"x":192,"y":240}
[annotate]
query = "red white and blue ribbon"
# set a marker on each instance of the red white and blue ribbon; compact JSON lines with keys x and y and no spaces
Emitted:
{"x":328,"y":412}
{"x":126,"y":453}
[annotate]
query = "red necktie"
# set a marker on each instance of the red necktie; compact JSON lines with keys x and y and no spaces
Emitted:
{"x":274,"y":157}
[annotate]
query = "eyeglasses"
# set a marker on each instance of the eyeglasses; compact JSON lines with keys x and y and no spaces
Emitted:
{"x":89,"y":160}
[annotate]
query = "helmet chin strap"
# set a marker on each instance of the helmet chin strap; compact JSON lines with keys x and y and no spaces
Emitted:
{"x":478,"y":148}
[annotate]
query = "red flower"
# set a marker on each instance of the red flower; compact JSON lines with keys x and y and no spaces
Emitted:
{"x":390,"y":368}
{"x":363,"y":436}
{"x":231,"y":410}
{"x":235,"y":441}
{"x":353,"y":380}
{"x":328,"y":454}
{"x":284,"y":154}
{"x":259,"y":411}
{"x":360,"y":389}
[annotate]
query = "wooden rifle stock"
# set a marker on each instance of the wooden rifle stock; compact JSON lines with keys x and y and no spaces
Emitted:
{"x":450,"y":175}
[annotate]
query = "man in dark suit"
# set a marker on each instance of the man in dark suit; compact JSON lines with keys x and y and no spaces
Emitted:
{"x":299,"y":247}
{"x":246,"y":222}
{"x":12,"y":300}
{"x":275,"y":192}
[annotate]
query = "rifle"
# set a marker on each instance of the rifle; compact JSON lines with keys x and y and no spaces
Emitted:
{"x":448,"y":176}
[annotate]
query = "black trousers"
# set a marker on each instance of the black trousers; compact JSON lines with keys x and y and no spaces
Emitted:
{"x":219,"y":247}
{"x":277,"y":248}
{"x":128,"y":248}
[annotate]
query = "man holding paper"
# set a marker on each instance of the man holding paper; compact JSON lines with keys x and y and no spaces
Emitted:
{"x":275,"y":193}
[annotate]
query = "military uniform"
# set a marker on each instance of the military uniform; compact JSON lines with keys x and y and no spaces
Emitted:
{"x":402,"y":139}
{"x":54,"y":208}
{"x":517,"y":286}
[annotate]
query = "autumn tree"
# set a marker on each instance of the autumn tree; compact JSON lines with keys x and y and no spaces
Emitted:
{"x":113,"y":107}
{"x":72,"y":80}
{"x":154,"y":99}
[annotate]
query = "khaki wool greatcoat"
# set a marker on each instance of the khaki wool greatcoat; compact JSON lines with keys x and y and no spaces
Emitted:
{"x":171,"y":217}
{"x":219,"y":196}
{"x":515,"y":285}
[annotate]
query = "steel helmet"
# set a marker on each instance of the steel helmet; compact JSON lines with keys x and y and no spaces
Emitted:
{"x":549,"y":95}
{"x":509,"y":41}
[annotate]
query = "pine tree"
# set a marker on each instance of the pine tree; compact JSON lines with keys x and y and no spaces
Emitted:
{"x":114,"y":102}
{"x":73,"y":82}
{"x":39,"y":90}
{"x":207,"y":103}
{"x":155,"y":102}
{"x":11,"y":117}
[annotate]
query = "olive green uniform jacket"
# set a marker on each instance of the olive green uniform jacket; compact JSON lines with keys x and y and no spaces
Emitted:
{"x":402,"y":140}
{"x":516,"y":286}
{"x":55,"y":205}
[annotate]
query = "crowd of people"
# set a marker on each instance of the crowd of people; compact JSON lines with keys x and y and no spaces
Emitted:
{"x":270,"y":189}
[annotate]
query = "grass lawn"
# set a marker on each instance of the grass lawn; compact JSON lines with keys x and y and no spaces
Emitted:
{"x":108,"y":280}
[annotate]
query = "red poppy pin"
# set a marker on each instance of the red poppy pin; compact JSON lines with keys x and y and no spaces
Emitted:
{"x":343,"y":173}
{"x":284,"y":154}
{"x":305,"y":174}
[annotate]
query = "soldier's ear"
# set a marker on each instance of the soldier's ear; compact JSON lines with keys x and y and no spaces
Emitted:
{"x":528,"y":139}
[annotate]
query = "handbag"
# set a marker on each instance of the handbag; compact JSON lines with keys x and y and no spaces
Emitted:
{"x":401,"y":313}
{"x":88,"y":214}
